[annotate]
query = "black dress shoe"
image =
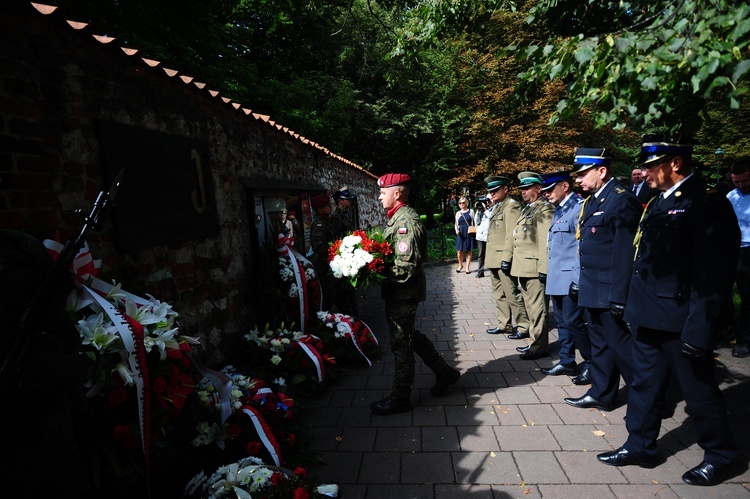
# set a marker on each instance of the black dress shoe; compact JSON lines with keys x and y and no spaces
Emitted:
{"x":523,"y":349}
{"x":518,"y":335}
{"x":621,"y":457}
{"x":390,"y":405}
{"x":444,"y":381}
{"x":708,"y":474}
{"x":584,"y":378}
{"x":587,"y":402}
{"x":558,"y":369}
{"x":529,"y":355}
{"x":495,"y":330}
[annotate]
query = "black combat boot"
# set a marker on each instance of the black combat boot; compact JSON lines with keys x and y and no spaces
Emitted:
{"x":443,"y":381}
{"x":392,"y":404}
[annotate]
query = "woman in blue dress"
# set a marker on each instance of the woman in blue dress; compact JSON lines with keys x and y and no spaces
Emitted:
{"x":465,"y":242}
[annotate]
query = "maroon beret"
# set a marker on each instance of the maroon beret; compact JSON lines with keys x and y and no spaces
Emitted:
{"x":393,"y":179}
{"x":320,"y":200}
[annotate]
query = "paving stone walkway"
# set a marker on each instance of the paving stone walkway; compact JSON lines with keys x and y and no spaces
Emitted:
{"x":504,"y":430}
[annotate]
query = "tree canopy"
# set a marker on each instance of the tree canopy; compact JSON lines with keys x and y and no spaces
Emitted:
{"x":640,"y":64}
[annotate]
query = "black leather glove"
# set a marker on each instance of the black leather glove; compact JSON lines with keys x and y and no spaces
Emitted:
{"x":505,"y":267}
{"x":542,"y":278}
{"x":617,"y":310}
{"x":573,"y":291}
{"x":693,"y":352}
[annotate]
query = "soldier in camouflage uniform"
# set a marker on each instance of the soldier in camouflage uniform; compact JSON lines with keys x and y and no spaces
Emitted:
{"x":322,"y":235}
{"x":405,"y":287}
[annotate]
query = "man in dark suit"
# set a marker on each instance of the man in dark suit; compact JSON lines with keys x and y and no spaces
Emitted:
{"x":606,"y":228}
{"x":640,"y":187}
{"x":687,"y":248}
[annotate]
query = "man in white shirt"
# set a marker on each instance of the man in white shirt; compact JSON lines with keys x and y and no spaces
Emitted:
{"x":740,"y":199}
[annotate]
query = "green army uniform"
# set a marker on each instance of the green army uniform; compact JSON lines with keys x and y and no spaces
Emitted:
{"x":405,"y":287}
{"x":321,"y":237}
{"x":528,"y":260}
{"x":508,"y":302}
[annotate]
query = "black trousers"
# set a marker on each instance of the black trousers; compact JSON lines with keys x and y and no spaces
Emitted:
{"x":611,"y":354}
{"x":656,"y":354}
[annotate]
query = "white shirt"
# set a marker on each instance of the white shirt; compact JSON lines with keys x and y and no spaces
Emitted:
{"x":741,"y":204}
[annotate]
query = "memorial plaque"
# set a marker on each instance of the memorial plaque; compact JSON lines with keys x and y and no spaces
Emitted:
{"x":167,"y":193}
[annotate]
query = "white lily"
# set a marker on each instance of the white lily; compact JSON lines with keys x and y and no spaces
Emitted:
{"x":94,"y":332}
{"x":125,"y":373}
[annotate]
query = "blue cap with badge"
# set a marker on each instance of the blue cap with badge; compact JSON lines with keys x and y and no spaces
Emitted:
{"x":588,"y":157}
{"x":659,"y":148}
{"x":551,"y":179}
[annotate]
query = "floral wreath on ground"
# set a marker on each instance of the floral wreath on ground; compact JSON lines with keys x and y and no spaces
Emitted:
{"x":361,"y":258}
{"x":291,"y":360}
{"x":140,"y":373}
{"x":300,"y":282}
{"x":250,"y":476}
{"x":241,"y":415}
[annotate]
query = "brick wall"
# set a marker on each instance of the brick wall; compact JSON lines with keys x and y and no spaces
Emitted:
{"x":58,"y":84}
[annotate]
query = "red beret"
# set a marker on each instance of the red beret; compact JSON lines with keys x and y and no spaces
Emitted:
{"x":393,"y":179}
{"x":320,"y":200}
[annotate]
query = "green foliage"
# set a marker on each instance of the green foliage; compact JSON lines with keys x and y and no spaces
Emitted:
{"x":441,"y":243}
{"x":639,"y":64}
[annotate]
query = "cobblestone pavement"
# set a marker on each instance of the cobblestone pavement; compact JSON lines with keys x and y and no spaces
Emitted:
{"x":504,"y":430}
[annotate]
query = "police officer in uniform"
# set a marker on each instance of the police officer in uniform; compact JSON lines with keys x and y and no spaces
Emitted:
{"x":609,"y":219}
{"x":687,"y":248}
{"x":404,"y":288}
{"x":322,"y":235}
{"x":344,"y":217}
{"x":508,"y":302}
{"x":526,"y":261}
{"x":563,"y":270}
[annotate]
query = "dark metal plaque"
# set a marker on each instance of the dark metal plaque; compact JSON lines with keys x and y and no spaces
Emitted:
{"x":167,"y":194}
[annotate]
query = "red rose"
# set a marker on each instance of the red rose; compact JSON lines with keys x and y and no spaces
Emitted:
{"x":117,"y":396}
{"x":253,"y":448}
{"x":159,"y":385}
{"x":301,"y":493}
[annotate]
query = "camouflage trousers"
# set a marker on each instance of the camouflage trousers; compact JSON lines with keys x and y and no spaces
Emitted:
{"x":405,"y":341}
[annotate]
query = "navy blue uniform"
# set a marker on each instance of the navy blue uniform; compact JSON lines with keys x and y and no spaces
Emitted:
{"x":607,"y":227}
{"x":687,"y":251}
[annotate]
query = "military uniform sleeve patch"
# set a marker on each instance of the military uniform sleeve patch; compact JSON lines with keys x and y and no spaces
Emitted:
{"x":402,"y":230}
{"x":403,"y":246}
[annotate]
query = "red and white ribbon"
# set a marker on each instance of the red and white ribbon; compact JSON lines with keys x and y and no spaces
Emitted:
{"x":264,"y":432}
{"x":83,"y":266}
{"x":348,"y":322}
{"x":314,"y":355}
{"x":136,"y":360}
{"x":299,"y":263}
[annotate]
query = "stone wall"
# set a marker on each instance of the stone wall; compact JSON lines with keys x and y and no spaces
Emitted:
{"x":62,"y":88}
